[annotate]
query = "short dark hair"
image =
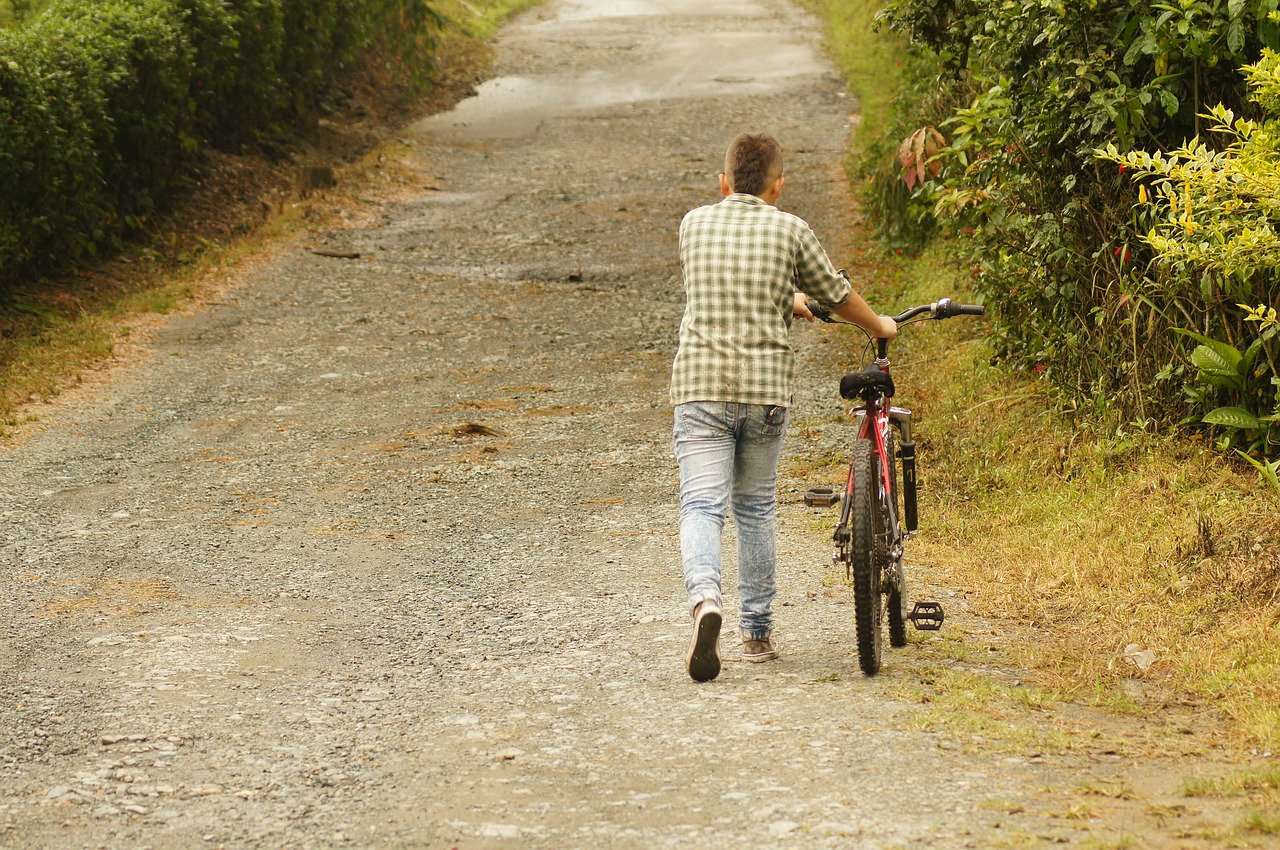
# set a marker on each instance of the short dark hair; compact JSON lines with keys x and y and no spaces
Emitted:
{"x":753,"y":161}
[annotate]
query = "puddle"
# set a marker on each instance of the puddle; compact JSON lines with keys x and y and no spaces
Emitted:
{"x":593,"y":10}
{"x":709,"y":59}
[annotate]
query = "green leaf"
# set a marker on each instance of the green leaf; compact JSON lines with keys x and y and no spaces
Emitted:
{"x":1250,"y":355}
{"x":1235,"y":37}
{"x":1270,"y":471}
{"x":1220,"y":358}
{"x":1232,"y":417}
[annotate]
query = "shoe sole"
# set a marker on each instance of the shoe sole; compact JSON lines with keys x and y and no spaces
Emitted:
{"x":762,"y":657}
{"x":704,"y":654}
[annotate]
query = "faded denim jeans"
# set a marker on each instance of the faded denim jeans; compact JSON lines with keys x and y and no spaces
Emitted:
{"x":728,"y":454}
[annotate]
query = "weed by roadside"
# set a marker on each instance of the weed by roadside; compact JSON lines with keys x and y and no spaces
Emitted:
{"x":1259,"y":789}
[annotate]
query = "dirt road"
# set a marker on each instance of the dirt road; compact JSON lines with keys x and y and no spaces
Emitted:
{"x":382,"y":553}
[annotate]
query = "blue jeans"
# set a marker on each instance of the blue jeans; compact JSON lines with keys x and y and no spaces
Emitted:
{"x":728,"y":454}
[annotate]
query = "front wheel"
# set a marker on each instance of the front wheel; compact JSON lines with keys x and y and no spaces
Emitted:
{"x":897,"y":588}
{"x":866,"y":526}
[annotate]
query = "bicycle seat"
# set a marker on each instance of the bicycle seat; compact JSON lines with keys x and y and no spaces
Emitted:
{"x":868,"y":379}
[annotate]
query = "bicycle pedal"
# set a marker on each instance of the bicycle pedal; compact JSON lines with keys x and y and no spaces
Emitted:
{"x":927,"y":616}
{"x":820,"y":497}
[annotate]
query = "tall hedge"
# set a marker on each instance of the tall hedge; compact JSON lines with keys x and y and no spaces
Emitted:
{"x":100,"y":102}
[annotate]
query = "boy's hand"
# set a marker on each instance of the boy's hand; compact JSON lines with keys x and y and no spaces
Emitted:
{"x":801,"y":310}
{"x":888,"y":328}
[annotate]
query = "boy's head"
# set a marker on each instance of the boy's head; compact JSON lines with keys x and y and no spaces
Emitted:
{"x":753,"y":164}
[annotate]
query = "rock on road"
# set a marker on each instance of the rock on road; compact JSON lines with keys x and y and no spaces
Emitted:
{"x":382,"y":552}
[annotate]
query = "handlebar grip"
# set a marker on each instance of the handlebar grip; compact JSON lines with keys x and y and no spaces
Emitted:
{"x":945,"y":308}
{"x":819,"y":312}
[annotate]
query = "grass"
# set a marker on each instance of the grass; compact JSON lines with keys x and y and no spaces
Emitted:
{"x":1237,"y":785}
{"x":1121,"y":842}
{"x":480,"y":19}
{"x":1260,"y":788}
{"x":865,"y":56}
{"x":979,"y":713}
{"x":1084,"y":538}
{"x":1095,"y":539}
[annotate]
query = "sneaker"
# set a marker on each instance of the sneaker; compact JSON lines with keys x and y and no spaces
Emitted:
{"x":703,"y":662}
{"x":757,"y":651}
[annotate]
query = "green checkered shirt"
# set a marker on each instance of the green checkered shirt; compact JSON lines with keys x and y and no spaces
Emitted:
{"x":743,"y":261}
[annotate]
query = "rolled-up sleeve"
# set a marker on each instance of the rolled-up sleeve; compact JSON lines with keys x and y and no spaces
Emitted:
{"x":815,"y":274}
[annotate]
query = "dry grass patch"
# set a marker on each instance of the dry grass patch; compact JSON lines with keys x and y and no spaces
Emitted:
{"x":1141,"y":570}
{"x":1260,"y":789}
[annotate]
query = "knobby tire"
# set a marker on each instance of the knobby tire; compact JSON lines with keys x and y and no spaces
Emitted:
{"x":897,"y":592}
{"x":866,"y":527}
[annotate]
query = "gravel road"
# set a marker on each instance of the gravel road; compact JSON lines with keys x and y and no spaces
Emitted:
{"x":382,"y":552}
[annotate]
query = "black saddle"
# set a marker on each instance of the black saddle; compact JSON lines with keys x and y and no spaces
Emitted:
{"x":869,"y":380}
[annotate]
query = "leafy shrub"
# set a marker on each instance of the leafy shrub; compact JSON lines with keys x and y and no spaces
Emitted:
{"x":50,"y":175}
{"x":1216,"y":232}
{"x":236,"y":89}
{"x":139,"y":59}
{"x":1054,"y":235}
{"x":100,"y":102}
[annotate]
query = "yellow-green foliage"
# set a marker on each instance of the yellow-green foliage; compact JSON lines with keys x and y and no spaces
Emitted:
{"x":1217,"y":248}
{"x":1218,"y":208}
{"x":17,"y":12}
{"x":480,"y":19}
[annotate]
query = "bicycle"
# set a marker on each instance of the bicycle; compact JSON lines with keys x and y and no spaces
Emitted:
{"x":871,"y":531}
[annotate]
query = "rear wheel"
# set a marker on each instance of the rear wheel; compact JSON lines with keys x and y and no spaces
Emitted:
{"x":866,"y":530}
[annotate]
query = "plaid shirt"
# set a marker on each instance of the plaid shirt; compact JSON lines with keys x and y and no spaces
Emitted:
{"x":743,"y":261}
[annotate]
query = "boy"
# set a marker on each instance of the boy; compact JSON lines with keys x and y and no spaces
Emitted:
{"x":748,"y":268}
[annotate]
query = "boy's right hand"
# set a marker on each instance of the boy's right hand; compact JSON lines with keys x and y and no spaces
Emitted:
{"x":888,"y":328}
{"x":801,"y":307}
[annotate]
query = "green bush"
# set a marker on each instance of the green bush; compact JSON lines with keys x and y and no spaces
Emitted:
{"x":50,"y":176}
{"x":101,"y":102}
{"x":1215,"y":232}
{"x":139,"y":60}
{"x":235,"y":84}
{"x":1053,"y":234}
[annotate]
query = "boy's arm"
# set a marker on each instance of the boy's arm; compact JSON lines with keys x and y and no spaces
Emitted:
{"x":814,"y":269}
{"x":856,"y":310}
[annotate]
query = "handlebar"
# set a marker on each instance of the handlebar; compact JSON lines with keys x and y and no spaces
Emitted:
{"x":943,"y":308}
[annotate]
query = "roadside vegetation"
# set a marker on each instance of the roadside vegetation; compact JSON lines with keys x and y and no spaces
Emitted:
{"x":66,"y":296}
{"x":1077,"y":483}
{"x":14,"y":13}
